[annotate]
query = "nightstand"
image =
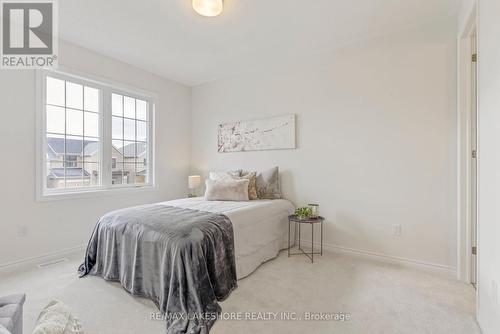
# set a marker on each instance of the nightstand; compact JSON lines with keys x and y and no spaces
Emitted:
{"x":311,"y":221}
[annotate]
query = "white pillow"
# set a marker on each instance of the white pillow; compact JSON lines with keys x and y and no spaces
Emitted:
{"x":227,"y":190}
{"x":219,"y":175}
{"x":56,"y":318}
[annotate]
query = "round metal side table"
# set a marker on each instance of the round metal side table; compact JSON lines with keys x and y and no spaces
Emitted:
{"x":311,"y":221}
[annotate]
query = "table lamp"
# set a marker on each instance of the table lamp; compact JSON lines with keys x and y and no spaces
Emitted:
{"x":194,"y":182}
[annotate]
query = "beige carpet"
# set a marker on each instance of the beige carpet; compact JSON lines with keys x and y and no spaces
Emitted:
{"x":379,"y":297}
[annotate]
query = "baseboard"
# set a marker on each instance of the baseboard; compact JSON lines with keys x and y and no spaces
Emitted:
{"x":447,"y":271}
{"x":43,"y":258}
{"x":436,"y":268}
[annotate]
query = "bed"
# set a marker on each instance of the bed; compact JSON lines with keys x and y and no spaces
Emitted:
{"x":186,"y":254}
{"x":260,"y":227}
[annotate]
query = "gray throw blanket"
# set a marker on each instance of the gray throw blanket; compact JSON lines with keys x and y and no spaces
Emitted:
{"x":181,"y":259}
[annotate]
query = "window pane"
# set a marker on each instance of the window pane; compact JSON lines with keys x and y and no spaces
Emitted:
{"x":55,"y":91}
{"x":92,"y":151}
{"x":91,"y":124}
{"x":74,"y":151}
{"x":141,"y":151}
{"x":117,"y":130}
{"x":141,"y":174}
{"x":91,"y":174}
{"x":55,"y":148}
{"x":74,"y":95}
{"x":141,"y":163}
{"x":91,"y":99}
{"x":128,"y":152}
{"x":53,"y":176}
{"x":141,"y":131}
{"x":117,"y":104}
{"x":71,"y":160}
{"x":129,"y":129}
{"x":117,"y":175}
{"x":129,"y":173}
{"x":142,"y":107}
{"x":55,"y":119}
{"x":55,"y":162}
{"x":128,"y":107}
{"x":74,"y":122}
{"x":74,"y":177}
{"x":117,"y":150}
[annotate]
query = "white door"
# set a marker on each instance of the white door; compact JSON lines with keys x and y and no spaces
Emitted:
{"x":474,"y":160}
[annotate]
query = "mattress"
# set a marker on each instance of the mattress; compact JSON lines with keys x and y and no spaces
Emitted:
{"x":260,"y":227}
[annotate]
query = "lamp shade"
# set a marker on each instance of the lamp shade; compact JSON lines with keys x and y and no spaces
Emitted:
{"x":194,"y":181}
{"x":208,"y":7}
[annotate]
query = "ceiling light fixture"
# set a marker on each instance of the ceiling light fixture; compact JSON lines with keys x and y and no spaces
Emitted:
{"x":208,"y":8}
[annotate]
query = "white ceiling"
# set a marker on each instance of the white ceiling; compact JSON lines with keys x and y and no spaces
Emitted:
{"x":168,"y":38}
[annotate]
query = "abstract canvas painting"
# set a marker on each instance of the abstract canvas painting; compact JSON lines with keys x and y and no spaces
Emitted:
{"x":262,"y":134}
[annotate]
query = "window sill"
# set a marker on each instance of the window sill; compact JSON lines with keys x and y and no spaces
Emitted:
{"x":93,"y":193}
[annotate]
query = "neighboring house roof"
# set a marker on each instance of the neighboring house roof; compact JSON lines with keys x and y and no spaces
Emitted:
{"x":55,"y":147}
{"x":71,"y":173}
{"x":51,"y":154}
{"x":73,"y":146}
{"x":129,"y":150}
{"x":91,"y":148}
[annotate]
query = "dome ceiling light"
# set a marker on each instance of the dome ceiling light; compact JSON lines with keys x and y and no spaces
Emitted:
{"x":209,"y":8}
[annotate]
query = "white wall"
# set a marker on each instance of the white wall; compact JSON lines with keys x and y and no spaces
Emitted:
{"x":376,"y":139}
{"x":59,"y":225}
{"x":489,"y":166}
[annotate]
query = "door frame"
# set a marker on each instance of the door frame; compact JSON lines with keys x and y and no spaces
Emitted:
{"x":464,"y":148}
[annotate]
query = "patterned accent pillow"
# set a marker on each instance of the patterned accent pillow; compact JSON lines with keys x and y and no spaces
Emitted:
{"x":252,"y":186}
{"x":268,"y":184}
{"x":226,"y":190}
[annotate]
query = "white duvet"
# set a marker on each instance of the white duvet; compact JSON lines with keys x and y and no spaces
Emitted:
{"x":260,"y":227}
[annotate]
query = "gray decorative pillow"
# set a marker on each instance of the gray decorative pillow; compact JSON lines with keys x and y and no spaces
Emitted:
{"x":268,"y":184}
{"x":226,"y":190}
{"x":218,"y":175}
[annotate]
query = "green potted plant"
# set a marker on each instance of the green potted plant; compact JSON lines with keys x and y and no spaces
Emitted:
{"x":303,"y":213}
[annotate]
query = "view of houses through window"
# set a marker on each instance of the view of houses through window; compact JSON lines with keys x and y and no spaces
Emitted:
{"x":129,"y":139}
{"x":72,"y":130}
{"x":74,"y":138}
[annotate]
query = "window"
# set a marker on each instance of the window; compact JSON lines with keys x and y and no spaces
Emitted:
{"x":93,"y":136}
{"x":72,"y":112}
{"x":129,"y":138}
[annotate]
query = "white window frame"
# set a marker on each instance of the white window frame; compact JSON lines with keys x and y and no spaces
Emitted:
{"x":105,"y":87}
